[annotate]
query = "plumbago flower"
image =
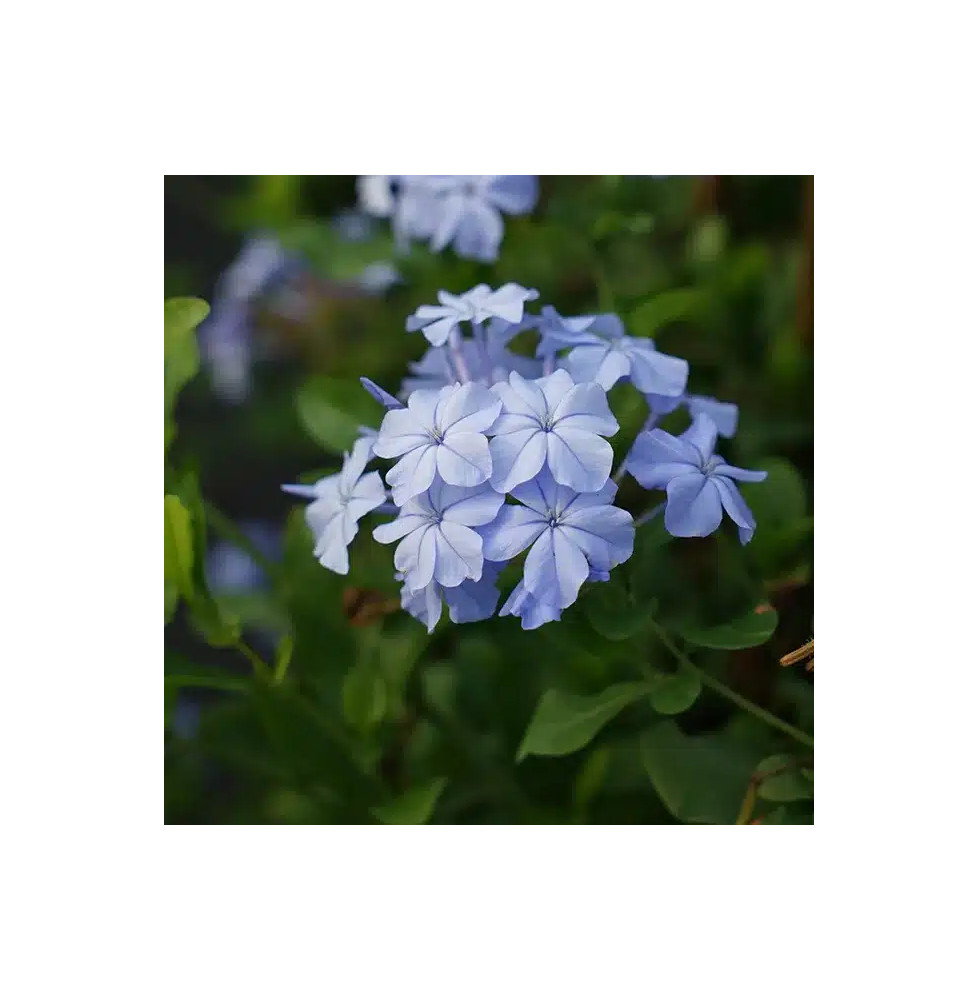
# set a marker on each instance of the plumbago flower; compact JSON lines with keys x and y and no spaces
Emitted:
{"x":437,"y":540}
{"x":482,"y":422}
{"x":438,"y":431}
{"x":458,"y":210}
{"x":569,"y":534}
{"x":478,"y":304}
{"x":551,"y":420}
{"x":602,"y":352}
{"x":338,"y":503}
{"x":699,"y":485}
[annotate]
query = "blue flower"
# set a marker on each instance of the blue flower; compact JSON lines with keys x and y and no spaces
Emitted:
{"x":474,"y":306}
{"x":603,"y":353}
{"x":724,"y":415}
{"x":470,"y":601}
{"x":381,"y":395}
{"x":570,"y":534}
{"x":438,"y":431}
{"x":699,"y":485}
{"x":338,"y":503}
{"x":552,"y":420}
{"x":437,"y":540}
{"x":469,"y":212}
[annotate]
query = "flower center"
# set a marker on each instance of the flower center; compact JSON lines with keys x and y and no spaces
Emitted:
{"x":710,"y":465}
{"x":553,"y":518}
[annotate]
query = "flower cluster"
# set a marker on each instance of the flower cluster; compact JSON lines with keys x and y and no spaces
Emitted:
{"x":462,"y":211}
{"x":496,"y":454}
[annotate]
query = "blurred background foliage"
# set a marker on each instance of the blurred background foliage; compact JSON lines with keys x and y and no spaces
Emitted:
{"x":293,"y":695}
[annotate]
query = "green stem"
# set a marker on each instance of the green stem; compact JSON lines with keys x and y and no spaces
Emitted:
{"x":228,"y":530}
{"x":738,"y":699}
{"x":257,"y":663}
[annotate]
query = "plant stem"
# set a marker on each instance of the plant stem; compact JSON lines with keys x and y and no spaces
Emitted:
{"x":738,"y":699}
{"x":650,"y":514}
{"x":257,"y":663}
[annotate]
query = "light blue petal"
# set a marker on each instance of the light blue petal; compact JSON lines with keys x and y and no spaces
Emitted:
{"x":458,"y":554}
{"x":579,"y":459}
{"x":513,"y":193}
{"x":473,"y":600}
{"x":425,"y":605}
{"x":744,"y":475}
{"x":514,"y":530}
{"x":724,"y":415}
{"x":653,"y":372}
{"x":532,"y":612}
{"x":415,"y":557}
{"x":702,"y":435}
{"x":381,"y":395}
{"x":400,"y":432}
{"x":555,"y":569}
{"x":543,"y":494}
{"x":398,"y":528}
{"x":527,"y":396}
{"x":463,"y":459}
{"x":555,"y":388}
{"x":367,"y":495}
{"x":470,"y":507}
{"x":585,"y":408}
{"x":662,"y":405}
{"x":693,"y":507}
{"x":612,"y":525}
{"x":516,"y":457}
{"x":467,"y":408}
{"x":734,"y":505}
{"x":413,"y":474}
{"x":657,"y":457}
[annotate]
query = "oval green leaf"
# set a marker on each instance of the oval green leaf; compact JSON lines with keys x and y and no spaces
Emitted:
{"x":178,"y":546}
{"x":415,"y":806}
{"x":563,"y":723}
{"x":333,"y":410}
{"x":674,"y":693}
{"x":752,"y":629}
{"x":612,"y":612}
{"x":787,"y":780}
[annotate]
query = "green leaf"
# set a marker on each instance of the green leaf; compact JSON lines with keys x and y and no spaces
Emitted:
{"x":563,"y":723}
{"x":674,"y":693}
{"x":181,"y":359}
{"x":700,"y":779}
{"x":667,"y":307}
{"x":752,"y":629}
{"x":778,"y":500}
{"x":283,"y":657}
{"x":791,"y":783}
{"x":332,"y":410}
{"x":364,"y":698}
{"x":178,"y":547}
{"x":612,"y":612}
{"x":413,"y":807}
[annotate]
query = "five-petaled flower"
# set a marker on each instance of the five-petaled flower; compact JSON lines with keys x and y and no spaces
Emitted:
{"x":602,"y":352}
{"x":478,"y":304}
{"x":438,"y":431}
{"x":551,"y":420}
{"x":699,"y":485}
{"x":569,"y":534}
{"x":437,"y":540}
{"x":338,"y":502}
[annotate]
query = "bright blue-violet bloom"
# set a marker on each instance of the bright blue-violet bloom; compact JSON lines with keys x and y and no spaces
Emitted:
{"x":338,"y":503}
{"x":482,"y":421}
{"x":437,"y":540}
{"x":551,"y":420}
{"x":602,"y":352}
{"x":569,"y":534}
{"x":724,"y":415}
{"x":459,"y":210}
{"x":438,"y":431}
{"x":477,"y":305}
{"x":699,"y":485}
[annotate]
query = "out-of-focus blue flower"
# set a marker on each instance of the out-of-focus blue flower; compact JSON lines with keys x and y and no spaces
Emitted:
{"x":470,"y":218}
{"x":354,"y":226}
{"x":438,"y":431}
{"x":470,"y":601}
{"x":461,"y":210}
{"x":699,"y":485}
{"x":437,"y":540}
{"x":225,"y":336}
{"x":552,"y":420}
{"x":230,"y":569}
{"x":379,"y":277}
{"x":602,"y":352}
{"x":338,"y":503}
{"x":724,"y":415}
{"x":569,"y":535}
{"x":478,"y":304}
{"x":532,"y":612}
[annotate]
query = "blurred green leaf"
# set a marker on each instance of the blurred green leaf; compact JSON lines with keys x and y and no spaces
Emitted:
{"x":283,"y":657}
{"x":332,"y":410}
{"x":779,"y":499}
{"x":791,"y":783}
{"x":707,"y":240}
{"x":563,"y":723}
{"x":666,"y":307}
{"x":752,"y":629}
{"x":414,"y":806}
{"x":674,"y":693}
{"x":178,"y":551}
{"x":181,"y":360}
{"x":612,"y":612}
{"x":364,"y":697}
{"x":700,"y":779}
